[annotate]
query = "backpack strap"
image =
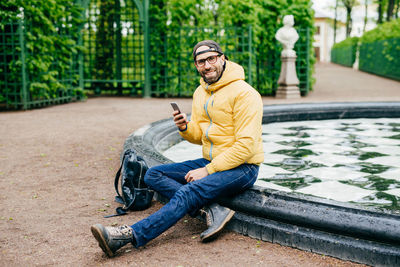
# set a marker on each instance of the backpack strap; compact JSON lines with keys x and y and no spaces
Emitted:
{"x":120,"y":211}
{"x":118,"y":198}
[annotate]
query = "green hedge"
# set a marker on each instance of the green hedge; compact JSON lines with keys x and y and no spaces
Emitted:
{"x":265,"y":18}
{"x":52,"y":27}
{"x":380,"y":50}
{"x":43,"y":36}
{"x":344,"y":53}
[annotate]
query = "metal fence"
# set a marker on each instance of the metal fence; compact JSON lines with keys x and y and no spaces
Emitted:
{"x":113,"y":38}
{"x":381,"y":58}
{"x":117,"y":58}
{"x":176,"y":75}
{"x":12,"y":75}
{"x":20,"y":86}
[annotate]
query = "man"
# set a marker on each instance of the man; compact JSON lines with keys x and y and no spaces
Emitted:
{"x":227,"y":121}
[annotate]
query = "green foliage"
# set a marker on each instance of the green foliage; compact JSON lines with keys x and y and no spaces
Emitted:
{"x":384,"y":31}
{"x":380,"y":50}
{"x":344,"y":52}
{"x":52,"y":30}
{"x":8,"y":13}
{"x":105,"y":40}
{"x":352,"y":41}
{"x":226,"y":21}
{"x":50,"y":33}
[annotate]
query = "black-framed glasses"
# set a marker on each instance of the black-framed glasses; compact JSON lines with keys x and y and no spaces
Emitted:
{"x":210,"y":59}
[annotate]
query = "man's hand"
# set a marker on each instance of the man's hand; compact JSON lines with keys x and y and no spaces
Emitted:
{"x":180,"y":119}
{"x":196,"y":174}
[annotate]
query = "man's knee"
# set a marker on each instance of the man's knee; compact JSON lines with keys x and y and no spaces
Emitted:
{"x":152,"y":175}
{"x":191,"y":196}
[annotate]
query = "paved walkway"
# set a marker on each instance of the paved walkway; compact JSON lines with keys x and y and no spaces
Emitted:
{"x":335,"y":83}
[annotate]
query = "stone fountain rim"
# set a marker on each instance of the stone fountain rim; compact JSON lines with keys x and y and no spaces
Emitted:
{"x":379,"y":229}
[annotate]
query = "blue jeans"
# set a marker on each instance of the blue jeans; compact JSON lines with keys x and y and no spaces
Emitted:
{"x":169,"y":181}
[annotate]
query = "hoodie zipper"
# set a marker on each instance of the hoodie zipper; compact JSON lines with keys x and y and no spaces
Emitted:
{"x":209,"y":126}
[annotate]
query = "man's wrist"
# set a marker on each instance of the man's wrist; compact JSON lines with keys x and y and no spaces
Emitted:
{"x":210,"y":168}
{"x":184,"y":129}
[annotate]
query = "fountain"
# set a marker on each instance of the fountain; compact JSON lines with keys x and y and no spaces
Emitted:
{"x":350,"y":231}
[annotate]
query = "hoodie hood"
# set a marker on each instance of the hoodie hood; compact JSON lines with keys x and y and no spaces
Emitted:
{"x":232,"y":73}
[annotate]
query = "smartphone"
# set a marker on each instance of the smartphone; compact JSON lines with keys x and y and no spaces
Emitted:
{"x":175,"y":107}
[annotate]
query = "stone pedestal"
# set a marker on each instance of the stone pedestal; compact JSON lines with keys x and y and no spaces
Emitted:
{"x":288,"y":81}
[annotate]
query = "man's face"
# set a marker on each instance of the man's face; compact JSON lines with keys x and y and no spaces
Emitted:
{"x":209,"y":71}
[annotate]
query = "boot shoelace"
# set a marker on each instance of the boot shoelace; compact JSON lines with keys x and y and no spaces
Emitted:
{"x":124,"y":230}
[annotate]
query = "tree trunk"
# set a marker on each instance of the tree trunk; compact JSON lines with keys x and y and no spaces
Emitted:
{"x":366,"y":16}
{"x":349,"y":22}
{"x":348,"y":5}
{"x":380,"y":11}
{"x":390,"y":8}
{"x":335,"y":23}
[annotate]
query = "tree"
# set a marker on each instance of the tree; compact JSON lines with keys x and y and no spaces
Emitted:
{"x":390,"y":9}
{"x":366,"y":3}
{"x":348,"y":5}
{"x":380,"y":10}
{"x":335,"y":22}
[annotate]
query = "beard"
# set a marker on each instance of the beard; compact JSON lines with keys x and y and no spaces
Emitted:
{"x":213,"y":74}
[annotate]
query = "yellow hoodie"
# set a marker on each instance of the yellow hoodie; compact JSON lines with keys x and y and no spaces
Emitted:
{"x":227,"y":120}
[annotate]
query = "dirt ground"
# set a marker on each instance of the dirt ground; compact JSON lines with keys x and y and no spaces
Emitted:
{"x":57,"y":168}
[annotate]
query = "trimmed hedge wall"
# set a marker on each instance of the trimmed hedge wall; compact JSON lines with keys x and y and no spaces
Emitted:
{"x":380,"y":50}
{"x":344,"y":53}
{"x":265,"y":18}
{"x":39,"y":52}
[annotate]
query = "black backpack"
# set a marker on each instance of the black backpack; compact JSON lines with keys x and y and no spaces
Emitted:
{"x":135,"y":193}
